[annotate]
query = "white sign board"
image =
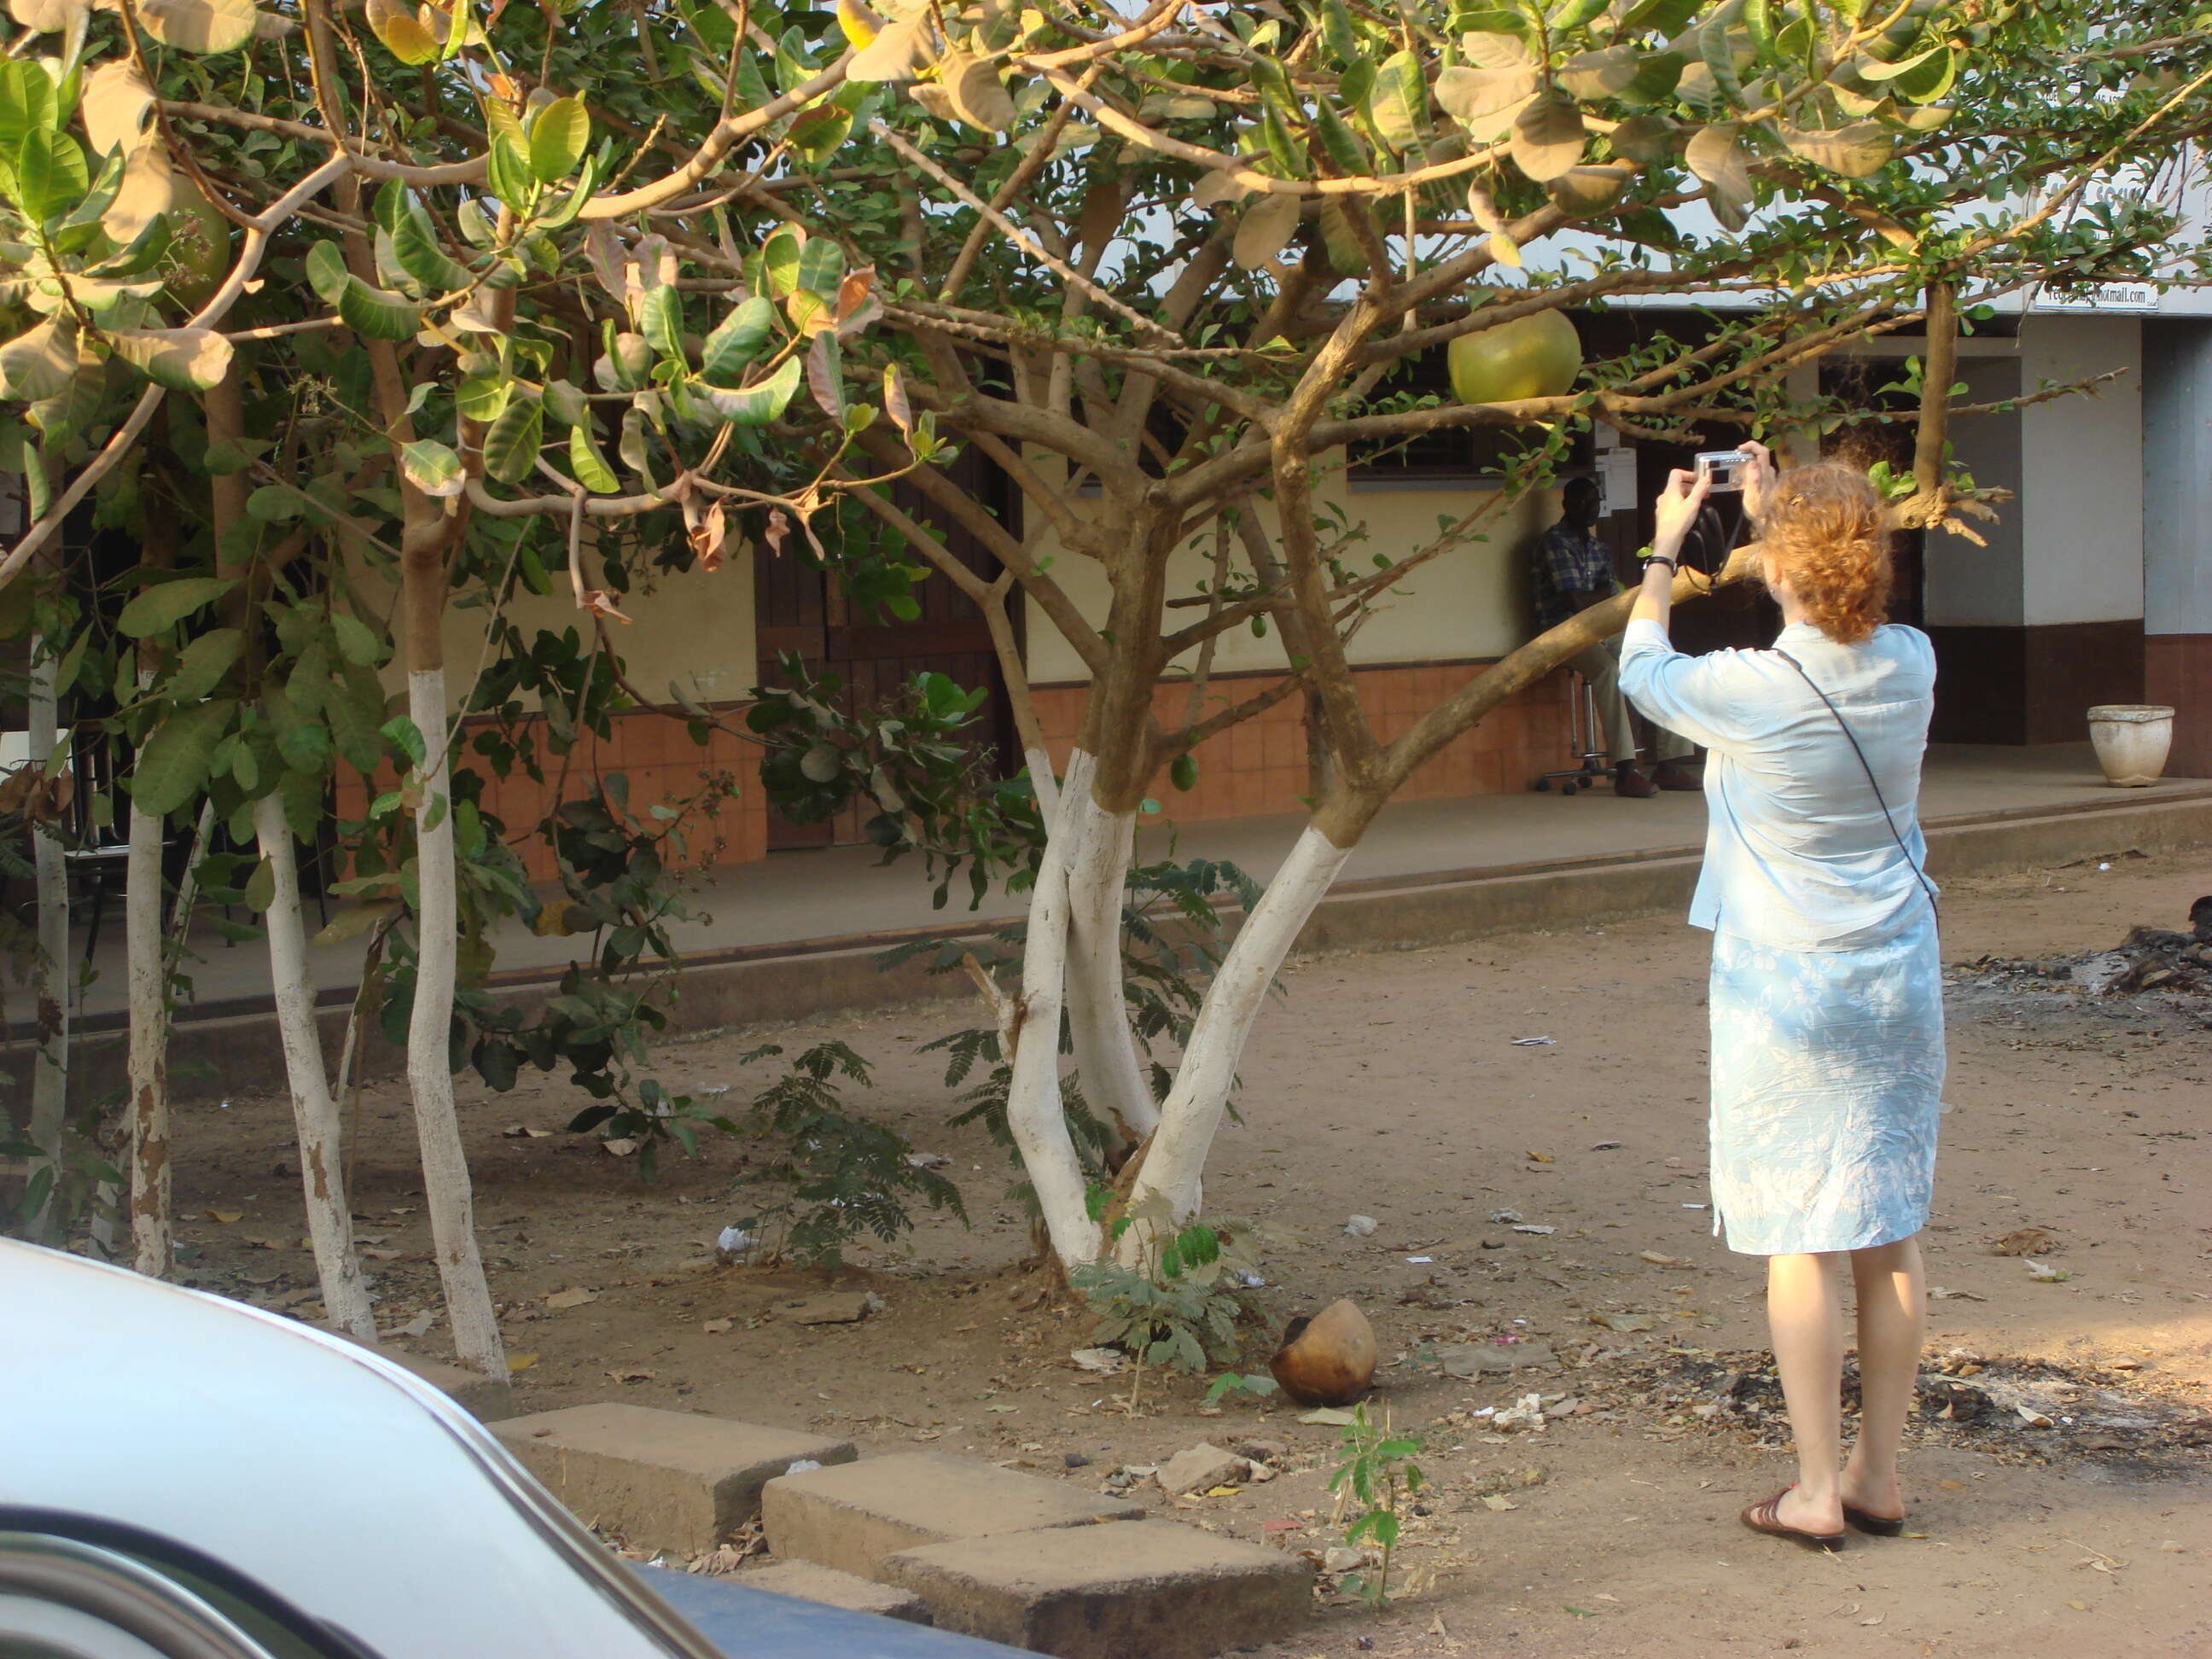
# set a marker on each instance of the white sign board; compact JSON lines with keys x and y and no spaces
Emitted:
{"x":1616,"y":480}
{"x":2136,"y":297}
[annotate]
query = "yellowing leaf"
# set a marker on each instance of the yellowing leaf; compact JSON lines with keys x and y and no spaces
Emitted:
{"x":405,"y":34}
{"x":1265,"y":229}
{"x":976,"y":93}
{"x":1548,"y":138}
{"x":115,"y":105}
{"x":226,"y":1217}
{"x":860,"y":25}
{"x":181,"y":359}
{"x":46,"y":16}
{"x":206,"y":26}
{"x":521,"y":1362}
{"x":895,"y":52}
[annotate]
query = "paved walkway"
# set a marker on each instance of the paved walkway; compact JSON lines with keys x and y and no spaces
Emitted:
{"x":843,"y":893}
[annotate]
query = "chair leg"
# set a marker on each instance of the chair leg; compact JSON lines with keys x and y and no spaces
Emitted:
{"x":98,"y":908}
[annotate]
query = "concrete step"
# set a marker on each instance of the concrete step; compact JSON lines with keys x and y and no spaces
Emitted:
{"x":662,"y":1481}
{"x":853,"y":1516}
{"x":832,"y":1589}
{"x":1139,"y":1590}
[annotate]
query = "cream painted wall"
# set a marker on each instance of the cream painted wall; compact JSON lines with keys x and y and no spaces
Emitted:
{"x":694,"y":628}
{"x":2081,"y":470}
{"x":1467,"y":603}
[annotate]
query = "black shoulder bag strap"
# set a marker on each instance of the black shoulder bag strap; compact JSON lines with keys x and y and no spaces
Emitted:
{"x":1887,"y":817}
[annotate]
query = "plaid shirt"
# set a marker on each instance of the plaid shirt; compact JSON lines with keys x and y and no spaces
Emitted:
{"x":1568,"y":562}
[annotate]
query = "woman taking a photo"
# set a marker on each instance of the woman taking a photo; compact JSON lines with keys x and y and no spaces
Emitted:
{"x":1827,"y":992}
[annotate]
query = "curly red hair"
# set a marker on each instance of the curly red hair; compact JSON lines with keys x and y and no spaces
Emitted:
{"x":1823,"y":527}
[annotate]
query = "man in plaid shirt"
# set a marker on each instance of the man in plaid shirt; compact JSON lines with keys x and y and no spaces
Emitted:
{"x":1571,"y":571}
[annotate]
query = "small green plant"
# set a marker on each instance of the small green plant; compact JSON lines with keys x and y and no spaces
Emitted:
{"x":1180,"y":1309}
{"x":1377,"y":1474}
{"x":832,"y":1175}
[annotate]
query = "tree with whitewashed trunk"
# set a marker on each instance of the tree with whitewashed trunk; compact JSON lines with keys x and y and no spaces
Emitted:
{"x":1159,"y":270}
{"x":1170,"y":291}
{"x":403,"y":286}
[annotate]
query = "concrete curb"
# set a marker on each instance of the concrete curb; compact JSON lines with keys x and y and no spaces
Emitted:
{"x":236,"y":1048}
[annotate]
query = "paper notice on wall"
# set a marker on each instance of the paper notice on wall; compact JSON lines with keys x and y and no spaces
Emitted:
{"x":1616,"y":481}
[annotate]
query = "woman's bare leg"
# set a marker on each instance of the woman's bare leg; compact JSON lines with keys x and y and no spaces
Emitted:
{"x":1892,"y":1304}
{"x":1804,"y":1311}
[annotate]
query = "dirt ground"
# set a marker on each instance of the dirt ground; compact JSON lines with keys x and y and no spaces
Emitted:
{"x":1390,"y":1085}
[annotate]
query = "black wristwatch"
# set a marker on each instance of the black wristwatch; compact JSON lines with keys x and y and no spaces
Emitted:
{"x":1674,"y":569}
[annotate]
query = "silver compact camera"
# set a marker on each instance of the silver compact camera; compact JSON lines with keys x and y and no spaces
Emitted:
{"x":1724,"y":469}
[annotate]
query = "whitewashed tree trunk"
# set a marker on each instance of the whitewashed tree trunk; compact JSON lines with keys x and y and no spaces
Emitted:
{"x":49,"y":983}
{"x":1036,"y":1114}
{"x":1105,"y":1047}
{"x":153,"y":1208}
{"x":445,"y":1188}
{"x":314,"y":1115}
{"x":147,"y":990}
{"x":1192,"y":1113}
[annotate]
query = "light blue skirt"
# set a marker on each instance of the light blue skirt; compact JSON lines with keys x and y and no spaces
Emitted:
{"x":1827,"y":1086}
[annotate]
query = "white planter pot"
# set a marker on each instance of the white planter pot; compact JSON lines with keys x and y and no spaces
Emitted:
{"x":2131,"y":740}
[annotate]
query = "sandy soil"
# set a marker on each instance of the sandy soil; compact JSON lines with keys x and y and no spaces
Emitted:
{"x":1389,"y":1085}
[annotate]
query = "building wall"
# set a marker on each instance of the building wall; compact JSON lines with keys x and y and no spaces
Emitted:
{"x":2047,"y":620}
{"x":725,"y":815}
{"x":2177,"y":536}
{"x":695,"y":629}
{"x":1454,"y":616}
{"x":1464,"y":604}
{"x":1260,"y":766}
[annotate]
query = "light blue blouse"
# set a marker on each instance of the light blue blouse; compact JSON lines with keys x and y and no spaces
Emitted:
{"x":1798,"y":856}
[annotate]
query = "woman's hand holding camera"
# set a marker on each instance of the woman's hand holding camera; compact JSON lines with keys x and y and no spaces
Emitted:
{"x":1676,"y":510}
{"x":1758,"y":478}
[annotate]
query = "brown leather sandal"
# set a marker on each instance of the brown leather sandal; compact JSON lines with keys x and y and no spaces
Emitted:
{"x":1767,"y":1518}
{"x":1874,"y":1526}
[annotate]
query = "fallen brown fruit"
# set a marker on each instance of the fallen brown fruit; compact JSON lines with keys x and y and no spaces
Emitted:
{"x":1327,"y":1360}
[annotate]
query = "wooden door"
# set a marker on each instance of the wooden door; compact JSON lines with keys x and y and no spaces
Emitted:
{"x":801,"y":608}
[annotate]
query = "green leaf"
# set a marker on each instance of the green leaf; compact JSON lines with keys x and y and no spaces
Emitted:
{"x":326,"y":272}
{"x":726,"y":351}
{"x":432,"y":468}
{"x":403,"y":735}
{"x":558,"y":138}
{"x":588,"y":465}
{"x":1343,"y":146}
{"x":566,"y":404}
{"x":27,"y":102}
{"x":353,"y":717}
{"x":376,"y":314}
{"x":511,"y":176}
{"x":274,"y":504}
{"x":821,"y":267}
{"x":660,"y":320}
{"x":483,"y":397}
{"x":201,"y":664}
{"x":305,"y":745}
{"x":173,"y":764}
{"x":155,"y":608}
{"x":181,"y":359}
{"x":49,"y":173}
{"x":512,"y":442}
{"x":779,"y":256}
{"x":357,"y":642}
{"x":756,"y":405}
{"x":1400,"y":102}
{"x":415,"y":248}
